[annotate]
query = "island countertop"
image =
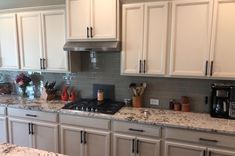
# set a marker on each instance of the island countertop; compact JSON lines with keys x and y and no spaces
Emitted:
{"x":14,"y":150}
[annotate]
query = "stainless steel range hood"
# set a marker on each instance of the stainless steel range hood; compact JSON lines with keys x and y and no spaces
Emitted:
{"x":97,"y":46}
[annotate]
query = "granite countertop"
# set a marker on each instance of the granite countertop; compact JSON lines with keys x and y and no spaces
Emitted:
{"x":187,"y":120}
{"x":14,"y":150}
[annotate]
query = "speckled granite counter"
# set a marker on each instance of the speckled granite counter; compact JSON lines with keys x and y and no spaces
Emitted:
{"x":31,"y":104}
{"x":13,"y":150}
{"x":194,"y":121}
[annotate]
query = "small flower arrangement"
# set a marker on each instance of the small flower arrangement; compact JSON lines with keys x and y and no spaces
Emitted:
{"x":23,"y":81}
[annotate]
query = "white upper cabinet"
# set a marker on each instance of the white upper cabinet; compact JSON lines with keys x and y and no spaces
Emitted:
{"x":9,"y":55}
{"x":144,"y":38}
{"x":223,"y":37}
{"x":29,"y":27}
{"x":91,"y":19}
{"x":41,"y":39}
{"x":190,"y":37}
{"x":53,"y":39}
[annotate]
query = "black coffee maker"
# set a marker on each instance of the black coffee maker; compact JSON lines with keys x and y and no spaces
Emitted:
{"x":220,"y":100}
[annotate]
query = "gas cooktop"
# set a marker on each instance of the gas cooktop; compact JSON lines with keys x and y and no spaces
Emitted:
{"x":92,"y":105}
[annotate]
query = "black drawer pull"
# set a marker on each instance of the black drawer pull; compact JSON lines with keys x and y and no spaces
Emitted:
{"x":136,"y":130}
{"x":208,"y":140}
{"x":30,"y":115}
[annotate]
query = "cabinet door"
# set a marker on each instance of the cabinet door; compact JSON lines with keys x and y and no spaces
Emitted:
{"x":220,"y":152}
{"x":19,"y":132}
{"x":54,"y":38}
{"x":223,"y":36}
{"x":45,"y":136}
{"x":155,"y":37}
{"x":123,"y":145}
{"x":70,"y":138}
{"x":132,"y":37}
{"x":9,"y":58}
{"x":3,"y":130}
{"x":103,"y":19}
{"x":190,"y":39}
{"x":97,"y":143}
{"x":78,"y":18}
{"x":179,"y":149}
{"x":148,"y":147}
{"x":29,"y":27}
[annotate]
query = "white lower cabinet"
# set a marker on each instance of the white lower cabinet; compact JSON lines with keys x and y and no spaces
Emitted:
{"x":123,"y":145}
{"x":181,"y":149}
{"x":3,"y":129}
{"x":219,"y":152}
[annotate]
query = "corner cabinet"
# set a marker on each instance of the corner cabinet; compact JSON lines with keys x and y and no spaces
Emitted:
{"x":37,"y":129}
{"x":41,"y":39}
{"x":144,"y":40}
{"x":9,"y":54}
{"x":190,"y":37}
{"x":92,"y":19}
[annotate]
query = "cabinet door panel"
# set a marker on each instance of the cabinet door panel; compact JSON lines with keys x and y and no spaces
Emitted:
{"x":104,"y":19}
{"x":132,"y":42}
{"x":190,"y":39}
{"x":70,"y":138}
{"x":29,"y":26}
{"x":148,"y":147}
{"x":9,"y":58}
{"x":45,"y":136}
{"x":19,"y":132}
{"x":78,"y":18}
{"x":97,"y":143}
{"x":223,"y":36}
{"x":155,"y":37}
{"x":123,"y":145}
{"x":179,"y":149}
{"x":54,"y":39}
{"x":3,"y":130}
{"x":220,"y":152}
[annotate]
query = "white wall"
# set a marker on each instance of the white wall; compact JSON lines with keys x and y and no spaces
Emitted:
{"x":9,"y":4}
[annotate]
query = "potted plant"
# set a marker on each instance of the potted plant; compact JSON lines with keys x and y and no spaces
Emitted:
{"x":23,"y":81}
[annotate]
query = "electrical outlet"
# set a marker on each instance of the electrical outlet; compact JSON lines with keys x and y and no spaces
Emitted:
{"x":154,"y":102}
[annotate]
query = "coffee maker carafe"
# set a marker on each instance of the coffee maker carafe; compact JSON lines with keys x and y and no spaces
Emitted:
{"x":220,"y":101}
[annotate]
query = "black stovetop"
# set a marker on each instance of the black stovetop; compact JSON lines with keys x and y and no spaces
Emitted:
{"x":92,"y":105}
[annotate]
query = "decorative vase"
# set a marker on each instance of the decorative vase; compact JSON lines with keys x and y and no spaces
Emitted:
{"x":23,"y":92}
{"x":137,"y":101}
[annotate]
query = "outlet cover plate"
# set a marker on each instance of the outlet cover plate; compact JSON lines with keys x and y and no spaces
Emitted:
{"x":154,"y":102}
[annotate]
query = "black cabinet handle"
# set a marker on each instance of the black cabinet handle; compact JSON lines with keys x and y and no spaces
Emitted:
{"x":41,"y":63}
{"x":137,"y":146}
{"x":204,"y":153}
{"x":212,"y":64}
{"x":81,"y":137}
{"x":87,"y":32}
{"x":206,"y":72}
{"x":210,"y":153}
{"x":85,"y":141}
{"x":136,"y":130}
{"x":44,"y":64}
{"x":29,"y":125}
{"x":30,"y":115}
{"x":144,"y":66}
{"x":91,"y":29}
{"x":140,"y":66}
{"x":32,"y":132}
{"x":133,"y":145}
{"x":208,"y":140}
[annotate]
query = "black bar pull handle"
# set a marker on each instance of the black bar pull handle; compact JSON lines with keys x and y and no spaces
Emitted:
{"x":137,"y":146}
{"x":140,"y":66}
{"x":133,"y":145}
{"x":41,"y":63}
{"x":87,"y":32}
{"x":204,"y":153}
{"x":31,"y":115}
{"x":91,"y":29}
{"x":136,"y":130}
{"x":206,"y":72}
{"x":32,"y":132}
{"x":81,"y":137}
{"x":44,"y":63}
{"x":29,"y":125}
{"x":210,"y":153}
{"x":208,"y":140}
{"x":85,"y":141}
{"x":212,"y":65}
{"x":144,"y":66}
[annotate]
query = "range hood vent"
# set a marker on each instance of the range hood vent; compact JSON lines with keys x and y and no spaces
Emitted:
{"x":98,"y":46}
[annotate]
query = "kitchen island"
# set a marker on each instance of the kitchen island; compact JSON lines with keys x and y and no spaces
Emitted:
{"x":14,"y":150}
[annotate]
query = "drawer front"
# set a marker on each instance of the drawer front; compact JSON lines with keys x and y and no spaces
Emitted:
{"x":2,"y":110}
{"x":136,"y":129}
{"x":85,"y":121}
{"x":32,"y":115}
{"x":200,"y":137}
